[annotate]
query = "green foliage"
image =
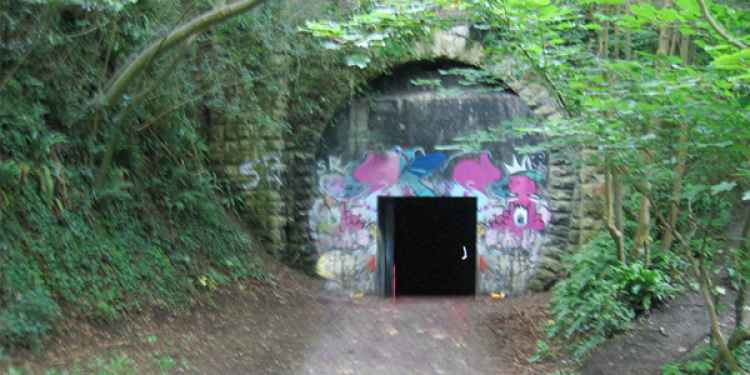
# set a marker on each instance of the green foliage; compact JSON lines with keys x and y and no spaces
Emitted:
{"x":642,"y":287}
{"x":108,"y":5}
{"x":28,"y":318}
{"x":103,"y":213}
{"x":600,"y":296}
{"x":71,"y":246}
{"x":107,"y":213}
{"x":542,"y":352}
{"x":701,"y":361}
{"x":165,"y":363}
{"x":366,"y":33}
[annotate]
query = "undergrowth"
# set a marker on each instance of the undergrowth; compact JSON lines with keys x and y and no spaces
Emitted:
{"x":103,"y":214}
{"x":601,"y":296}
{"x":102,"y":262}
{"x":701,"y":361}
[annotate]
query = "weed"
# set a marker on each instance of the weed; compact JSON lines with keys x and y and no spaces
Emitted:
{"x":165,"y":363}
{"x":542,"y":352}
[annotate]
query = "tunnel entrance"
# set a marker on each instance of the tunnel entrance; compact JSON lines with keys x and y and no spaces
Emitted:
{"x":429,"y":245}
{"x":441,"y":132}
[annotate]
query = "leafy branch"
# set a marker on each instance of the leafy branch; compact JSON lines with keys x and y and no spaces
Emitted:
{"x":719,"y":29}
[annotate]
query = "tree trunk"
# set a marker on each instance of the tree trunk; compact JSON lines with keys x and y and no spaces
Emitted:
{"x":616,"y":35}
{"x":675,"y":41}
{"x":603,"y":36}
{"x":724,"y":353}
{"x":739,"y":302}
{"x":628,"y":47}
{"x":685,"y":54}
{"x":739,"y":305}
{"x":665,"y":35}
{"x":125,"y":76}
{"x":704,"y":280}
{"x":619,"y":212}
{"x":643,"y":233}
{"x":642,"y":241}
{"x":677,"y":180}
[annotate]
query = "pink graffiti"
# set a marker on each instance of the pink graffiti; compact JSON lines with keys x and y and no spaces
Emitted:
{"x":476,"y":173}
{"x":350,"y":221}
{"x":523,"y":187}
{"x":517,"y":218}
{"x":379,"y":170}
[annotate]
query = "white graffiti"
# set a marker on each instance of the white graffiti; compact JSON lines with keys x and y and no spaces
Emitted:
{"x":269,"y":167}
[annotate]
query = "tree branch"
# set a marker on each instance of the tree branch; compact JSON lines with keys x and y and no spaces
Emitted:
{"x":114,"y":91}
{"x":715,"y":25}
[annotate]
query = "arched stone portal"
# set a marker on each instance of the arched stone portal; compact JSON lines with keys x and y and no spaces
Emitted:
{"x":302,"y":187}
{"x":427,"y":133}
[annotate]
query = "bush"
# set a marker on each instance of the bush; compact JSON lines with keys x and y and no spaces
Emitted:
{"x":27,"y":319}
{"x":642,"y":287}
{"x":601,"y":296}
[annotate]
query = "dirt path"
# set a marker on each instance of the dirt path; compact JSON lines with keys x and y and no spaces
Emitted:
{"x":667,"y":335}
{"x":291,"y":328}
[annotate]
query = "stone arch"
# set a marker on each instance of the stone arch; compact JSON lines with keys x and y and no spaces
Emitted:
{"x":558,"y":214}
{"x":457,"y":44}
{"x":282,"y":182}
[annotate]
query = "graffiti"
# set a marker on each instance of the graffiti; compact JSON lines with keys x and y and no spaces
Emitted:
{"x":476,"y":174}
{"x":378,"y":170}
{"x":511,"y":217}
{"x":247,"y":169}
{"x":269,"y":167}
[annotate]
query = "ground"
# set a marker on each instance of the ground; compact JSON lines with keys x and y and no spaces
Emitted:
{"x":666,"y":335}
{"x":292,"y":327}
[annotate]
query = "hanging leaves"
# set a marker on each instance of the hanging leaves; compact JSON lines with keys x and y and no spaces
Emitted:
{"x":723,"y":187}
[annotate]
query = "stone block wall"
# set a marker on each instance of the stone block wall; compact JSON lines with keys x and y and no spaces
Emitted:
{"x":251,"y":151}
{"x":254,"y":158}
{"x":301,"y":149}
